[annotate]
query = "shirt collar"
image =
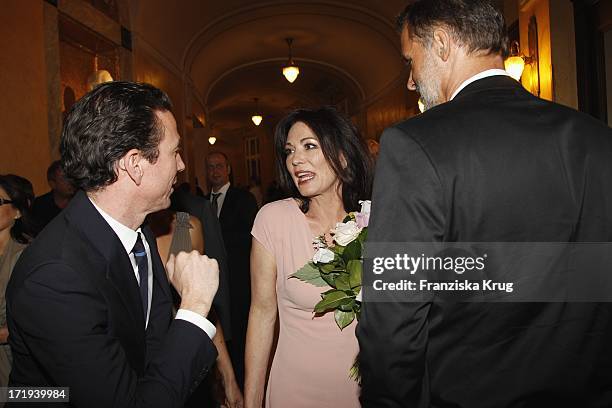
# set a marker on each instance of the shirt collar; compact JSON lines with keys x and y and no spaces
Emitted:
{"x":126,"y":235}
{"x":223,"y":189}
{"x":480,"y":75}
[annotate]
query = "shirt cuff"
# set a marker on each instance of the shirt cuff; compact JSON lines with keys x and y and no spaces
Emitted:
{"x":199,"y":320}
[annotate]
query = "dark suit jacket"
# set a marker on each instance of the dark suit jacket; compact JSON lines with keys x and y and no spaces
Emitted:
{"x":213,"y":247}
{"x":76,"y":320}
{"x":236,"y":218}
{"x":495,"y":164}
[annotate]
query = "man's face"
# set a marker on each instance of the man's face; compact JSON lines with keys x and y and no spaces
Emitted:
{"x":61,"y":186}
{"x":217,"y":170}
{"x":159,"y":177}
{"x":425,"y":69}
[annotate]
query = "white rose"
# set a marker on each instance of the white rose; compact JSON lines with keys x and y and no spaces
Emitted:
{"x":345,"y":233}
{"x":365,"y":206}
{"x":323,"y":255}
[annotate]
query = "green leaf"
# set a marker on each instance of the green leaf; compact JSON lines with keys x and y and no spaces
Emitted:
{"x":348,"y":218}
{"x":309,"y":273}
{"x":354,"y":373}
{"x":342,"y":282}
{"x":363,"y":236}
{"x":343,"y":319}
{"x":349,"y":307}
{"x":352,"y":251}
{"x":332,"y":300}
{"x":328,"y":267}
{"x":354,"y":269}
{"x":338,"y":250}
{"x":330,"y":278}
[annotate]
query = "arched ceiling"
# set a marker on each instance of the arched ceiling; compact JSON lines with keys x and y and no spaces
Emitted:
{"x":233,"y":51}
{"x":231,"y":99}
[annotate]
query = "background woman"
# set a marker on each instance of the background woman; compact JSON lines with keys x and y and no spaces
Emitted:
{"x":179,"y":231}
{"x":325,"y":165}
{"x":16,"y":231}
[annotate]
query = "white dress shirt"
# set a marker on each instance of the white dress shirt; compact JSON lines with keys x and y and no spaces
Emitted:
{"x":128,"y":238}
{"x":480,"y":75}
{"x":221,"y":199}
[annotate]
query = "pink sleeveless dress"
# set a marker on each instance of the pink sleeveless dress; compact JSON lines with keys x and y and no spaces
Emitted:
{"x":310,"y":367}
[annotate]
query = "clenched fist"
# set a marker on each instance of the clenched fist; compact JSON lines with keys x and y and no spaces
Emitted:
{"x":196,"y":278}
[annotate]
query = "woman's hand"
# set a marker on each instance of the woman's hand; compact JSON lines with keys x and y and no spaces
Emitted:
{"x":233,"y":395}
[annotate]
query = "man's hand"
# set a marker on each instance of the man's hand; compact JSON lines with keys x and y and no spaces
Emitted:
{"x":196,"y":278}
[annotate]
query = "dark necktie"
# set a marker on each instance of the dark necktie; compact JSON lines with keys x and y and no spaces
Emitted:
{"x":215,"y":203}
{"x":143,"y":272}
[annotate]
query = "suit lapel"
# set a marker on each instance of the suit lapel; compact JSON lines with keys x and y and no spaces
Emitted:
{"x":119,"y":271}
{"x":227,"y":203}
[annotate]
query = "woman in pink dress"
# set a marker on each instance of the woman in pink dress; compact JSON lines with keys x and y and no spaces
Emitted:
{"x":326,"y":167}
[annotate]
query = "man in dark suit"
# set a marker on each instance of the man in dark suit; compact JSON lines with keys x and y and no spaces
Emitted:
{"x":89,"y":302}
{"x":487,"y":162}
{"x":236,"y":209}
{"x":47,"y":206}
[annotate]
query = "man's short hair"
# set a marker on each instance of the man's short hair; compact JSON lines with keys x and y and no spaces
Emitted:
{"x":476,"y":24}
{"x":53,"y":169}
{"x":217,"y":153}
{"x":227,"y":162}
{"x":104,"y":125}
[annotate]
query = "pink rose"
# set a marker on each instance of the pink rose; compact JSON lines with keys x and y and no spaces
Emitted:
{"x":362,"y":219}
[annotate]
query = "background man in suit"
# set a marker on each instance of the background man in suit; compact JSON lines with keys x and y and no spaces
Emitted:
{"x":47,"y":206}
{"x":487,"y":162}
{"x":236,"y":209}
{"x":89,"y":303}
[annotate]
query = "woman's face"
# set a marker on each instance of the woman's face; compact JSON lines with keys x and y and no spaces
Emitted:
{"x":8,"y":213}
{"x":311,"y":173}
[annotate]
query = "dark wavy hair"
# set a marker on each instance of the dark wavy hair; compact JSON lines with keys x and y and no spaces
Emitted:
{"x":21,"y":193}
{"x":104,"y":125}
{"x":476,"y":24}
{"x":339,"y":138}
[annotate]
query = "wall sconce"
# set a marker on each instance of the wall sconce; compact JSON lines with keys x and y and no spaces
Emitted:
{"x":421,"y":105}
{"x":98,"y":76}
{"x":256,"y":118}
{"x":290,"y":71}
{"x":515,"y":63}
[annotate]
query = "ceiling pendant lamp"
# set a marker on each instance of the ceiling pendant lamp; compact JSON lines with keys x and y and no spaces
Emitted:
{"x":290,"y":71}
{"x":212,"y":139}
{"x":256,"y":118}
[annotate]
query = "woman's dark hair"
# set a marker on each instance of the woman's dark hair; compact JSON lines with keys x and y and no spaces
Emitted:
{"x":104,"y":125}
{"x":21,"y":194}
{"x":339,"y":140}
{"x":476,"y":24}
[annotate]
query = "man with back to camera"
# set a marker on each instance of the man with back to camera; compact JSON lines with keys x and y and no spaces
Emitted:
{"x":89,"y":302}
{"x":486,"y":162}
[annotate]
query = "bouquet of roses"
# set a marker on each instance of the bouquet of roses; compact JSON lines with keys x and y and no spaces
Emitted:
{"x":337,"y":263}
